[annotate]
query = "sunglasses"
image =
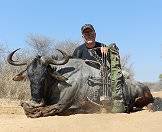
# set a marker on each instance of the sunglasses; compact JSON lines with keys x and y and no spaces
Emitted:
{"x":88,"y":33}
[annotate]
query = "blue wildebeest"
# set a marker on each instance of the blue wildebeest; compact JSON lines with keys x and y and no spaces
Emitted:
{"x":73,"y":86}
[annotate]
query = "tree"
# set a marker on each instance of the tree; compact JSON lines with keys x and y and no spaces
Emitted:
{"x":40,"y":44}
{"x":160,"y":79}
{"x":127,"y":66}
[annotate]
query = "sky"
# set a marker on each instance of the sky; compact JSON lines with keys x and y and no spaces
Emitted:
{"x":134,"y":25}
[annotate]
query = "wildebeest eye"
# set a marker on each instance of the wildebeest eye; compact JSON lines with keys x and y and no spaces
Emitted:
{"x":55,"y":57}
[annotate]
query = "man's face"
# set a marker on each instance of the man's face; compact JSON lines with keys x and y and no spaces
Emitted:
{"x":89,"y":36}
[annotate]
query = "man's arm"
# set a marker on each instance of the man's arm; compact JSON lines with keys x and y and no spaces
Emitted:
{"x":74,"y":55}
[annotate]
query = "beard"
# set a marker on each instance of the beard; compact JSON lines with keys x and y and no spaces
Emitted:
{"x":89,"y":41}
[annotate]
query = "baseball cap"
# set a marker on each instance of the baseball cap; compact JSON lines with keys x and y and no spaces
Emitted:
{"x":85,"y":26}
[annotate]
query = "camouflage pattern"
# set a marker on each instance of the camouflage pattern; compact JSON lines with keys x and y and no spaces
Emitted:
{"x":117,"y":80}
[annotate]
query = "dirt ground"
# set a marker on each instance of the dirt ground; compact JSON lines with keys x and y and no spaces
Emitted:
{"x":12,"y":119}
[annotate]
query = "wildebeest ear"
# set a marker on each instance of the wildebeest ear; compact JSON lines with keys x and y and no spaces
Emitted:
{"x":19,"y":78}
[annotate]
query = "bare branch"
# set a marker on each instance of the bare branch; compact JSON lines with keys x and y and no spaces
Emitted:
{"x":40,"y":44}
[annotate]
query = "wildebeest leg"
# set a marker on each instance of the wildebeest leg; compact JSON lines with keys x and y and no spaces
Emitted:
{"x":31,"y":111}
{"x":35,"y":112}
{"x":67,"y":97}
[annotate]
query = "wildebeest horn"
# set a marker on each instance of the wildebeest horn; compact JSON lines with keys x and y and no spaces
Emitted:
{"x":58,"y":76}
{"x":93,"y":63}
{"x":10,"y":61}
{"x":59,"y":62}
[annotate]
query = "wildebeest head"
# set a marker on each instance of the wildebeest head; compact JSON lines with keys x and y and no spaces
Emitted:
{"x":38,"y":60}
{"x":41,"y":75}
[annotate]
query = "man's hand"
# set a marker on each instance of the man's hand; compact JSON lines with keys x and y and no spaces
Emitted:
{"x":104,"y":50}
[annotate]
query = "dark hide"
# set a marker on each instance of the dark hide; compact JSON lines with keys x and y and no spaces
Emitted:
{"x":139,"y":94}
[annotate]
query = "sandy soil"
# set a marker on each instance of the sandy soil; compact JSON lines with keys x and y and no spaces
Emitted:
{"x":12,"y":119}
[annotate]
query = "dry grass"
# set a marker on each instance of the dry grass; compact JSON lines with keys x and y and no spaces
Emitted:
{"x":12,"y":89}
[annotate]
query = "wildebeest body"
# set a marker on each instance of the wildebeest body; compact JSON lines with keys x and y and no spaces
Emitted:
{"x":74,"y":85}
{"x":83,"y":85}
